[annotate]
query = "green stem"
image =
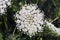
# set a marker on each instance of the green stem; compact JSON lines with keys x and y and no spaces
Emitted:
{"x":55,"y":19}
{"x":40,"y":38}
{"x":25,"y":1}
{"x":5,"y":21}
{"x":37,"y":2}
{"x":13,"y":33}
{"x":54,"y":3}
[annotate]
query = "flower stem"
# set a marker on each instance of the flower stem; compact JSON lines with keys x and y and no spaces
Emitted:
{"x":37,"y":2}
{"x":13,"y":33}
{"x":5,"y":21}
{"x":55,"y":19}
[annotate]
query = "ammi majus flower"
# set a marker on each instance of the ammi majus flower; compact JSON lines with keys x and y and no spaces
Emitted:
{"x":53,"y":28}
{"x":29,"y":19}
{"x":3,"y":5}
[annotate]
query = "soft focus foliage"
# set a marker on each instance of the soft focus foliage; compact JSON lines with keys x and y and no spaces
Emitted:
{"x":8,"y":29}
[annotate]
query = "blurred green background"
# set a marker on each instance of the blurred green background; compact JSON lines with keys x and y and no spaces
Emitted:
{"x":8,"y":29}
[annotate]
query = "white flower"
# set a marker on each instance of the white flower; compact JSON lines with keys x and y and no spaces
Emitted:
{"x":30,"y":19}
{"x":3,"y":5}
{"x":53,"y":28}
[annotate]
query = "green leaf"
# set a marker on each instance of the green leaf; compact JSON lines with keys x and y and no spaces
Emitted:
{"x":1,"y":36}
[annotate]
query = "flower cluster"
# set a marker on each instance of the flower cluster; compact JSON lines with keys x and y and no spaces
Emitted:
{"x":3,"y":5}
{"x":30,"y":19}
{"x":52,"y":27}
